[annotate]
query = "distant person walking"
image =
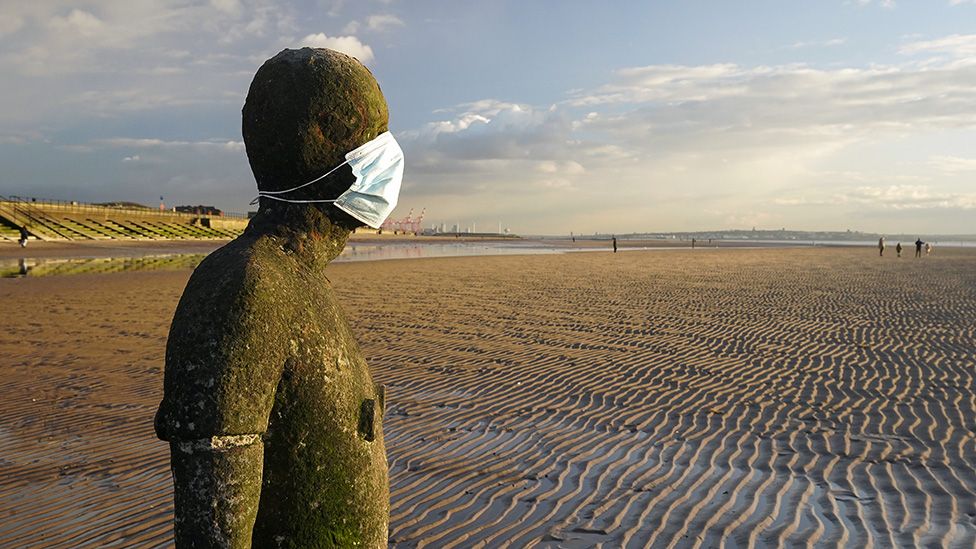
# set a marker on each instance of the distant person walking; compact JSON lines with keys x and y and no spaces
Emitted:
{"x":918,"y":247}
{"x":881,"y":247}
{"x":898,"y":249}
{"x":928,"y":248}
{"x":692,"y":243}
{"x":23,"y":237}
{"x":614,"y":244}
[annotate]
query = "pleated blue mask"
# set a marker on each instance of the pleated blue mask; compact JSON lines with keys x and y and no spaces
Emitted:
{"x":378,"y":167}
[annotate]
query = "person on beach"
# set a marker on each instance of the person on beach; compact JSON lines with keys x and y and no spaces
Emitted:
{"x":23,"y":236}
{"x":918,"y":247}
{"x":928,"y":248}
{"x":273,"y":420}
{"x":614,"y":244}
{"x":898,"y":249}
{"x":692,"y":243}
{"x":881,"y":246}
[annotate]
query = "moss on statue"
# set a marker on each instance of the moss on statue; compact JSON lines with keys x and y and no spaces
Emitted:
{"x":305,"y":110}
{"x":274,"y":422}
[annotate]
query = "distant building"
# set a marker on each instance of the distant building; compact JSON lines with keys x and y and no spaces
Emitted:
{"x":199,"y":210}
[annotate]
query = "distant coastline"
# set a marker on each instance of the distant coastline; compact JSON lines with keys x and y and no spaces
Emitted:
{"x":779,"y":235}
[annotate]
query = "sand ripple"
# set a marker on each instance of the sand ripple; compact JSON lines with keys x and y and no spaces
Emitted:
{"x":729,"y":397}
{"x":748,"y":398}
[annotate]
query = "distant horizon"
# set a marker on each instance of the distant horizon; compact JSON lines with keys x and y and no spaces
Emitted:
{"x":568,"y":234}
{"x":869,"y":235}
{"x":840,"y":113}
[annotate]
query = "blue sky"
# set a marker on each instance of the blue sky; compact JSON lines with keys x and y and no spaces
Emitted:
{"x":548,"y":117}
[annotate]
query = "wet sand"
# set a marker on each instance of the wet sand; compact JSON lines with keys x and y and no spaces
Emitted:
{"x":769,"y":397}
{"x":126,"y":248}
{"x":131,"y":248}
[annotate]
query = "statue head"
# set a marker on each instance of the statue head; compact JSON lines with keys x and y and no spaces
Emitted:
{"x":304,"y":111}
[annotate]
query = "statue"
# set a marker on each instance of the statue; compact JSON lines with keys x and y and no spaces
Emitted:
{"x":273,"y":420}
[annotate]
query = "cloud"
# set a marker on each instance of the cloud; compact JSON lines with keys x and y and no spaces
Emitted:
{"x":376,"y":23}
{"x":666,"y":145}
{"x":484,"y":136}
{"x":724,"y":141}
{"x":80,"y":22}
{"x":952,"y":164}
{"x":784,"y":104}
{"x":886,"y":197}
{"x":349,"y":45}
{"x":887,"y":4}
{"x":117,"y":36}
{"x":10,"y":24}
{"x":212,"y":171}
{"x":148,"y":143}
{"x":823,"y":43}
{"x":912,"y":197}
{"x":957,"y":45}
{"x":227,"y":6}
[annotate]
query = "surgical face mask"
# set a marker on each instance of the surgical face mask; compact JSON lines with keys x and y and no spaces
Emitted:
{"x":378,"y":167}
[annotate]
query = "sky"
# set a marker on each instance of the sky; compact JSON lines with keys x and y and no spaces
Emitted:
{"x":546,"y":117}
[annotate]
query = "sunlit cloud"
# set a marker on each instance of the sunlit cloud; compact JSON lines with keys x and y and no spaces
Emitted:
{"x":953,"y":164}
{"x":349,"y":45}
{"x":376,"y":23}
{"x":685,"y":135}
{"x":957,"y":45}
{"x":148,"y":94}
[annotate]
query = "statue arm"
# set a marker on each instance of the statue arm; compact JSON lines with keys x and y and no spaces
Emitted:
{"x":224,"y":358}
{"x":214,"y":413}
{"x":217,"y":490}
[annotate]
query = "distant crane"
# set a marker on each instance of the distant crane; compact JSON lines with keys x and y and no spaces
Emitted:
{"x":407,"y":224}
{"x":419,"y":222}
{"x":404,"y":223}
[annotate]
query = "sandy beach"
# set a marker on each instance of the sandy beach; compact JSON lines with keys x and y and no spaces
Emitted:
{"x":711,"y":397}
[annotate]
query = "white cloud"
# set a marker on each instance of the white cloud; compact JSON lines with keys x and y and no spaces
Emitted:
{"x":149,"y":143}
{"x":569,"y":167}
{"x":227,"y":6}
{"x":349,"y":45}
{"x":886,"y":197}
{"x":116,"y":36}
{"x":723,"y":141}
{"x":9,"y":24}
{"x":376,"y":23}
{"x":81,"y":22}
{"x":912,"y":197}
{"x":682,"y":145}
{"x":789,"y":102}
{"x":822,"y":43}
{"x":958,"y":45}
{"x":382,"y":22}
{"x":952,"y":164}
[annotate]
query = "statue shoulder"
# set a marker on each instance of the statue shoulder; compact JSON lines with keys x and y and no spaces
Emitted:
{"x":230,"y":331}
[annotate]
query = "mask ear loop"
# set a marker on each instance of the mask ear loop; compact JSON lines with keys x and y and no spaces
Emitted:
{"x":270,"y":194}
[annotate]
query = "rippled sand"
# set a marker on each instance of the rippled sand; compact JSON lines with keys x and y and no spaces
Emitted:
{"x":711,"y":397}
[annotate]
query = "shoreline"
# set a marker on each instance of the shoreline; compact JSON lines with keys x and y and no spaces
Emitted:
{"x":136,"y":248}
